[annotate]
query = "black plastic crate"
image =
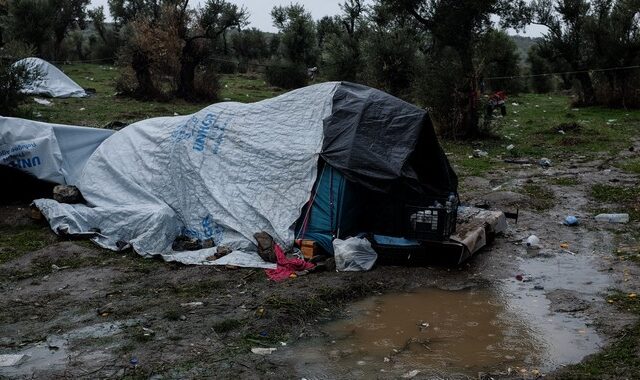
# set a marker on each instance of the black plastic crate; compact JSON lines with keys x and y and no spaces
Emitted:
{"x":434,"y":221}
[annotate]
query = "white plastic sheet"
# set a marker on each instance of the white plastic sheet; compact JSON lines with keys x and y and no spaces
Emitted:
{"x":52,"y":152}
{"x":52,"y":82}
{"x":225,"y":172}
{"x":354,"y":254}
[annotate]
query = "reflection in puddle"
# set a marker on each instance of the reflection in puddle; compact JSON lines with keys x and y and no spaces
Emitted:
{"x":465,"y":332}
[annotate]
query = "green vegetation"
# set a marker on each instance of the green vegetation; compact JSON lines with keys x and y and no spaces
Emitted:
{"x":541,"y":197}
{"x":106,"y":106}
{"x":627,"y":197}
{"x":620,"y":359}
{"x":564,"y":181}
{"x":16,"y":241}
{"x":631,"y":165}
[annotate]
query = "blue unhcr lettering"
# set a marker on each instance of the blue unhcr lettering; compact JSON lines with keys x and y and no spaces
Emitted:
{"x":186,"y":130}
{"x":203,"y":132}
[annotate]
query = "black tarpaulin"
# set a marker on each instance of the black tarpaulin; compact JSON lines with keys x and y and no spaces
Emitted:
{"x":385,"y":144}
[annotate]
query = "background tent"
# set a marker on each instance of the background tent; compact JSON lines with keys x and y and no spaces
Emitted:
{"x":232,"y":169}
{"x":52,"y":82}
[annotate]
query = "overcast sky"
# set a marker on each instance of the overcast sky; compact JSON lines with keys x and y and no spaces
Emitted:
{"x":260,"y":11}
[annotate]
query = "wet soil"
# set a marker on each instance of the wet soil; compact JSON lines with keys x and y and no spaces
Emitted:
{"x":77,"y":311}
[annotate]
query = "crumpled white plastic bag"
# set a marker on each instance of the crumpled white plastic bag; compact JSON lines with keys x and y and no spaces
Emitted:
{"x":354,"y":254}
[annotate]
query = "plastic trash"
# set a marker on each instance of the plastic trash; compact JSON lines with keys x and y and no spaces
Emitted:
{"x":532,"y":242}
{"x":263,"y":351}
{"x":570,"y":221}
{"x":612,"y":218}
{"x":480,"y":153}
{"x":544,"y":162}
{"x":354,"y":254}
{"x":510,"y":146}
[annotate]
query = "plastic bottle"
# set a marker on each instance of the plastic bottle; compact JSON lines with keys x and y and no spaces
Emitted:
{"x":532,"y":242}
{"x":612,"y":218}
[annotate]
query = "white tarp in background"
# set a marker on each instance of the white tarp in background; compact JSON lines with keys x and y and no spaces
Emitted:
{"x":53,"y":82}
{"x":52,"y":152}
{"x":225,"y":172}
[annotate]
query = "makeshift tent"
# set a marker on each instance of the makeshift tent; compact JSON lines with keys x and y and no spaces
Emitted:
{"x":51,"y":81}
{"x":232,"y":169}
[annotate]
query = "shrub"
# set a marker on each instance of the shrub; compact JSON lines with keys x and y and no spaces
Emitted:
{"x":286,"y":75}
{"x":12,"y":79}
{"x":207,"y":84}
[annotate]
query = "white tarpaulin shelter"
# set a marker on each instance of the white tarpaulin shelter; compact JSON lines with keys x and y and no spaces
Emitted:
{"x":225,"y":172}
{"x":51,"y":152}
{"x":52,"y":82}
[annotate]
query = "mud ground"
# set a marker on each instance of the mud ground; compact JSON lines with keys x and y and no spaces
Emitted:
{"x":83,"y":312}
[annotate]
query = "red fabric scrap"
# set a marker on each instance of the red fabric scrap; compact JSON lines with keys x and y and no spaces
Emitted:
{"x":286,"y":266}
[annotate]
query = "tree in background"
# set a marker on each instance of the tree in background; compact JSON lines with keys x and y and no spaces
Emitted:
{"x":196,"y":29}
{"x":390,"y":49}
{"x":540,"y":67}
{"x":498,"y":58}
{"x":341,"y":42}
{"x":459,"y":27}
{"x":250,"y":45}
{"x":29,"y":21}
{"x":297,"y":33}
{"x":614,"y":31}
{"x":566,"y":42}
{"x":66,"y":15}
{"x":107,"y":43}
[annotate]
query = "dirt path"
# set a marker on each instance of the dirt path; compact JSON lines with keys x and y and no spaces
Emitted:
{"x":81,"y":312}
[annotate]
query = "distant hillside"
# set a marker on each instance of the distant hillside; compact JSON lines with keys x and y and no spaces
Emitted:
{"x":523,"y":44}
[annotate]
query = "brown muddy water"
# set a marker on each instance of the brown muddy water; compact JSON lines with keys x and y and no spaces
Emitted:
{"x":508,"y":328}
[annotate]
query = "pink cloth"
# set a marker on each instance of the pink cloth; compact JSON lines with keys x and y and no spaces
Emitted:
{"x":286,"y":266}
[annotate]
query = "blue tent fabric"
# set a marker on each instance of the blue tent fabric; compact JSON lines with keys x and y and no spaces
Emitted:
{"x":333,"y":211}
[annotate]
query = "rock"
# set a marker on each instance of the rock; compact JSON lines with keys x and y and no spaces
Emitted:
{"x":67,"y":194}
{"x":265,"y":246}
{"x":185,"y":243}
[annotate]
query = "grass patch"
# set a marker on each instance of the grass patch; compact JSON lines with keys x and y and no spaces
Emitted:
{"x":541,"y":198}
{"x":620,"y":359}
{"x":198,"y":289}
{"x":564,"y":181}
{"x":105,"y":106}
{"x":16,"y":241}
{"x":627,"y":197}
{"x":227,"y":325}
{"x":631,"y":165}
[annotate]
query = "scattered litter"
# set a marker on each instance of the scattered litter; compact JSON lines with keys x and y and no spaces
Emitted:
{"x":9,"y":360}
{"x":176,"y":114}
{"x":544,"y":162}
{"x":477,"y":153}
{"x":519,"y":277}
{"x":564,"y":245}
{"x":263,"y":351}
{"x":82,"y":109}
{"x":569,"y":252}
{"x":411,"y":374}
{"x":612,"y":218}
{"x":571,"y":220}
{"x":515,"y":104}
{"x":538,"y":287}
{"x":354,"y":254}
{"x":632,"y":295}
{"x":560,"y":131}
{"x":43,"y":102}
{"x":532,"y":242}
{"x":192,"y":304}
{"x":134,"y":361}
{"x":510,"y":146}
{"x":611,"y":121}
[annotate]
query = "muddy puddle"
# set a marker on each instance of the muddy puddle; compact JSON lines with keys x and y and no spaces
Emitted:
{"x":447,"y":333}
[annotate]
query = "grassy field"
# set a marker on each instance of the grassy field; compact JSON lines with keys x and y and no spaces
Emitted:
{"x":536,"y":125}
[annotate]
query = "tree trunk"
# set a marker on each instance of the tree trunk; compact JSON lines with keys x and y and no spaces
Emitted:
{"x":470,"y":107}
{"x":588,"y":96}
{"x":140,"y":64}
{"x":188,"y":64}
